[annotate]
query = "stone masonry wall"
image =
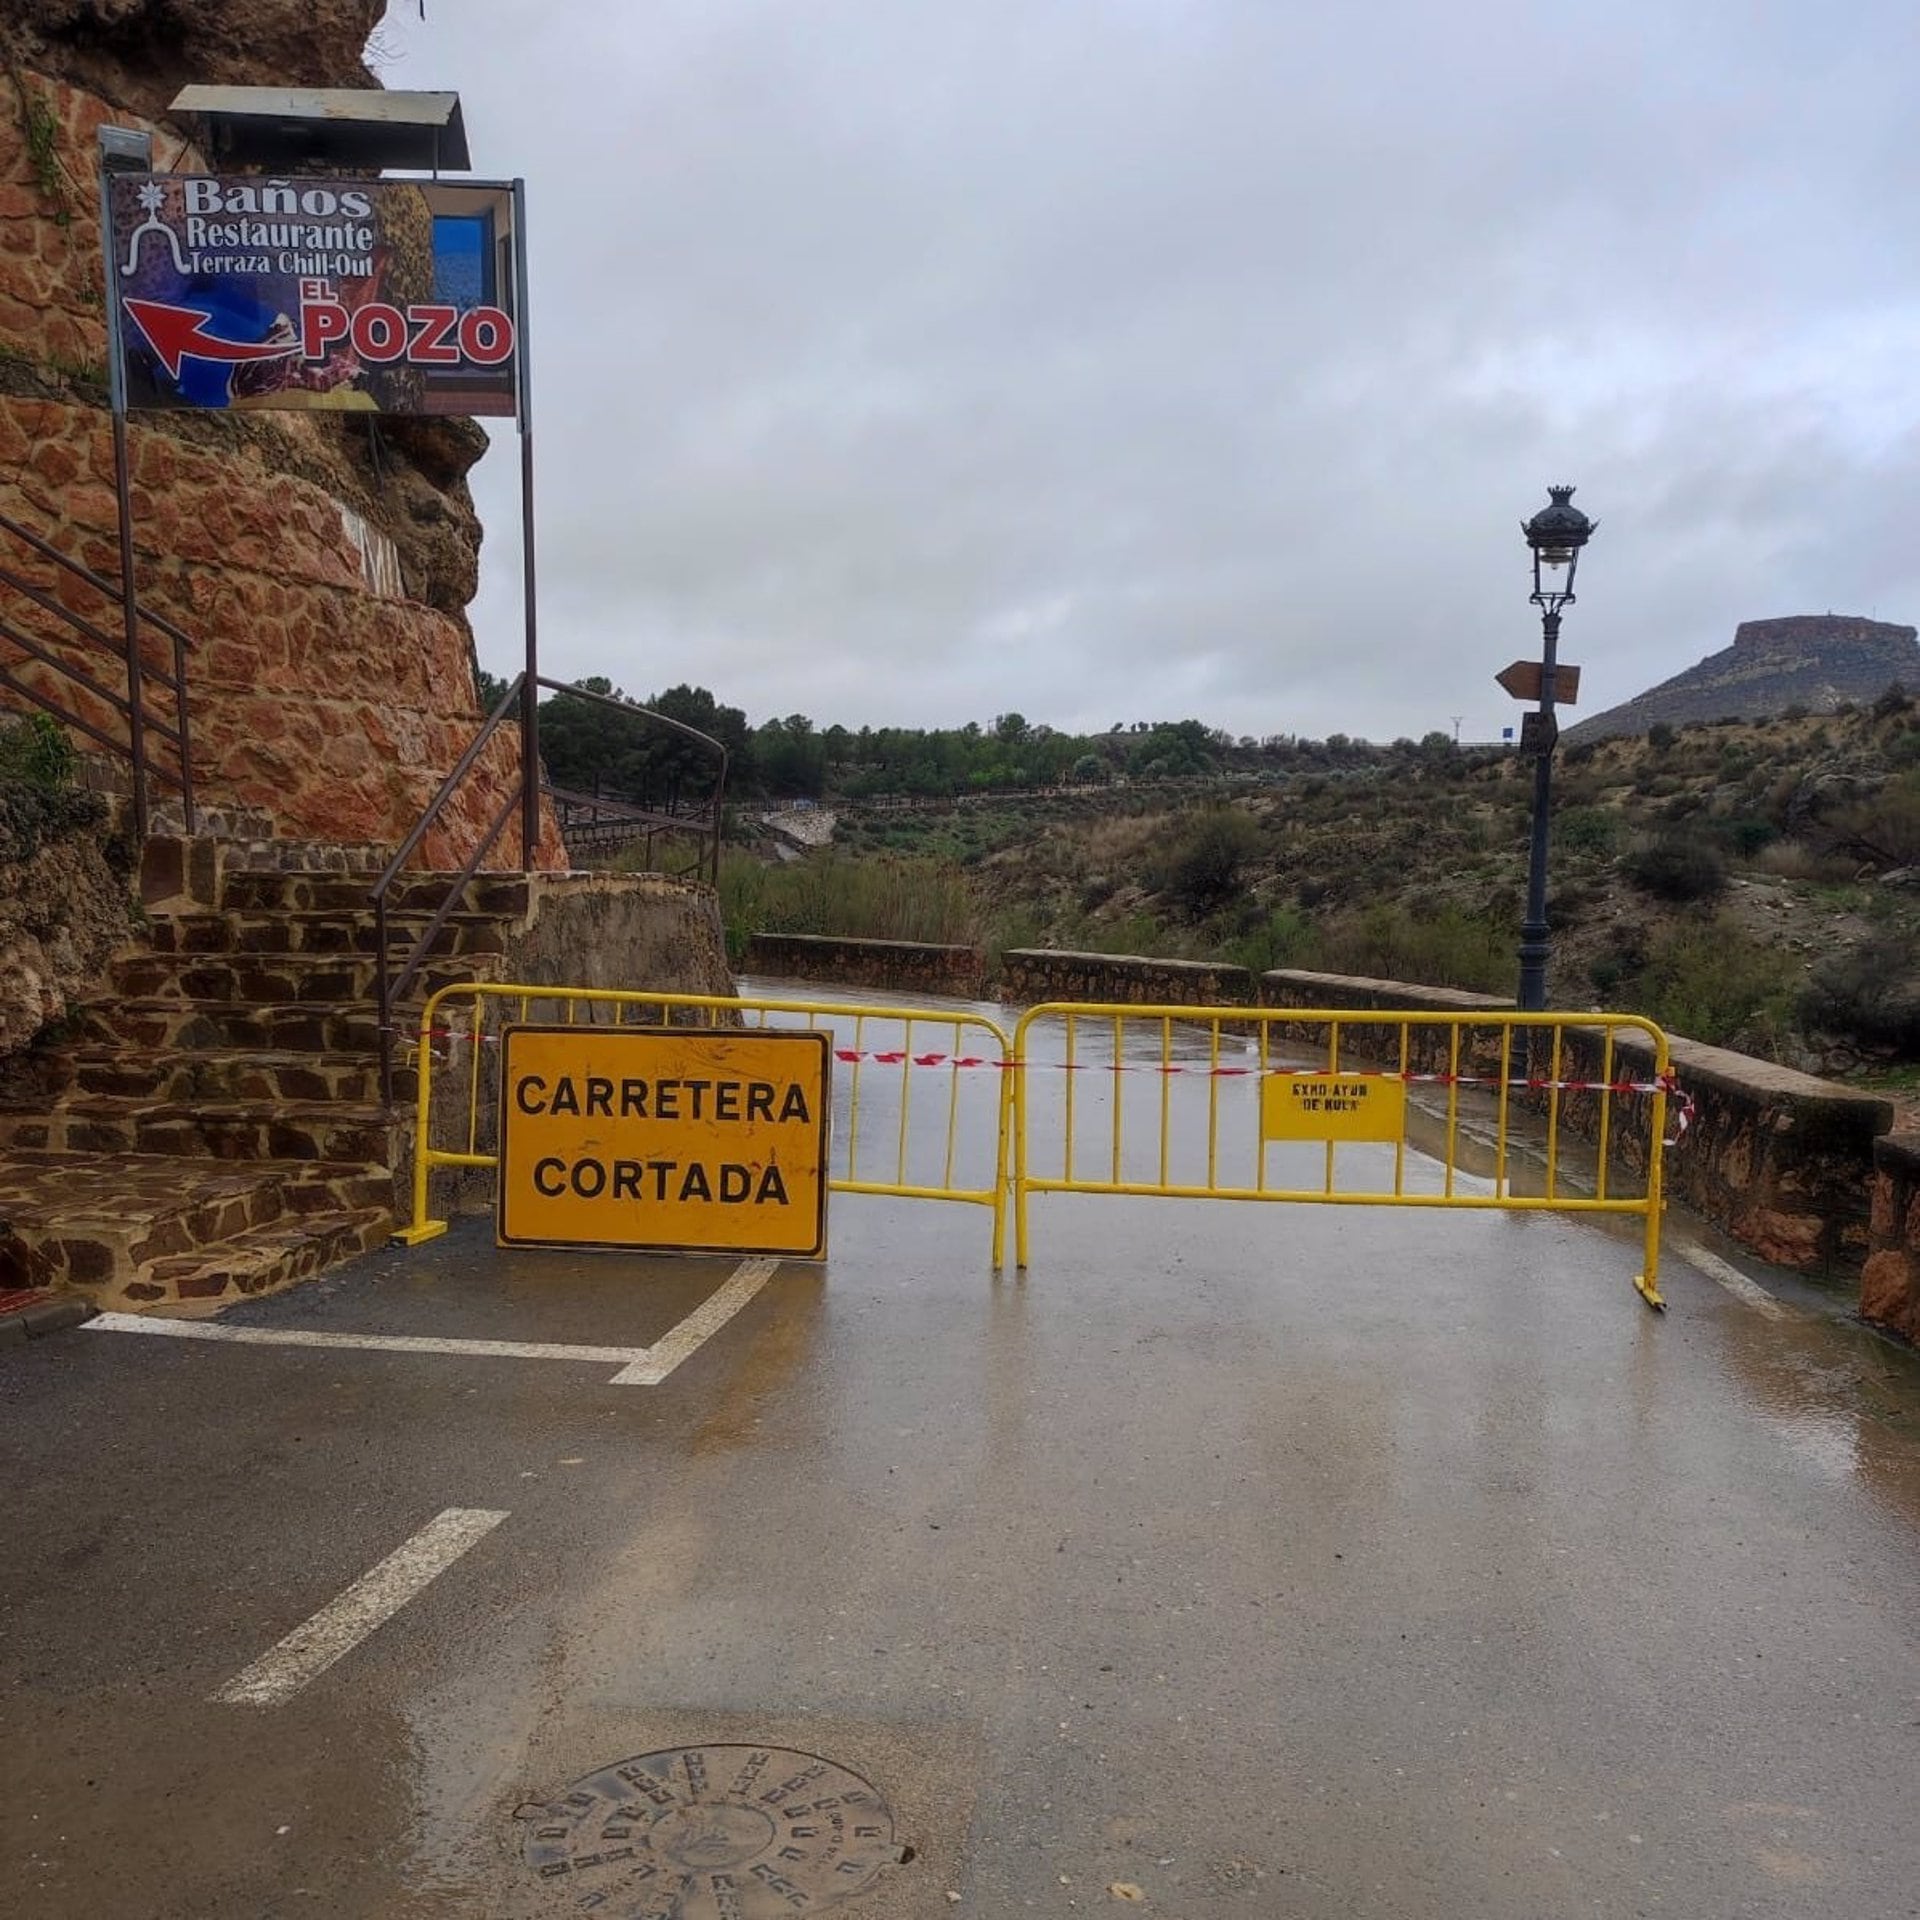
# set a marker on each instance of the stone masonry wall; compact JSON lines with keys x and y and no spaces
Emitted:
{"x":1783,"y":1161}
{"x":323,"y":579}
{"x":898,"y":966}
{"x":1029,"y":975}
{"x":1890,"y":1281}
{"x":624,"y":930}
{"x":633,"y":932}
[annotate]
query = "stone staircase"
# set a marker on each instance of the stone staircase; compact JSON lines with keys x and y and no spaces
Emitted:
{"x":210,"y":1123}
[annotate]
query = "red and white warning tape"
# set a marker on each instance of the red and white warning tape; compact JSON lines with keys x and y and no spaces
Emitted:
{"x":1667,"y":1084}
{"x":1682,"y":1101}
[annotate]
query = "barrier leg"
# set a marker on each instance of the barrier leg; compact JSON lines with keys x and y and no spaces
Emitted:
{"x":1020,"y":1155}
{"x":1647,"y":1280}
{"x":420,"y":1228}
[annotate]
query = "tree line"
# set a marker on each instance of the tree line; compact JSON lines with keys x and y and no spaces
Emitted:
{"x":595,"y":748}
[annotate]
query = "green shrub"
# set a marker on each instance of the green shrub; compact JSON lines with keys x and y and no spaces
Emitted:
{"x":1676,"y":870}
{"x":1447,"y":947}
{"x":1609,"y":971}
{"x":1660,"y":736}
{"x":36,"y":751}
{"x":886,"y":897}
{"x":1869,"y":994}
{"x":1713,"y":981}
{"x":1885,"y":829}
{"x":1203,"y":870}
{"x":1285,"y":938}
{"x":1747,"y":835}
{"x":1587,"y":829}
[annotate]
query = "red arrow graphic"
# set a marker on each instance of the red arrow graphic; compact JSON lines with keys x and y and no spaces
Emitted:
{"x":176,"y":332}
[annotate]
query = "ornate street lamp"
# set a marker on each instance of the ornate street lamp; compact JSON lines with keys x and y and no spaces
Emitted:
{"x":1556,"y":534}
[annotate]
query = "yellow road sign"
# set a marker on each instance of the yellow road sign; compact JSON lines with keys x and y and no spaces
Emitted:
{"x":1333,"y":1106}
{"x":669,"y":1139}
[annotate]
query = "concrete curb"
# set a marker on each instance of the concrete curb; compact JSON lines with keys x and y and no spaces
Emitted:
{"x":31,"y":1315}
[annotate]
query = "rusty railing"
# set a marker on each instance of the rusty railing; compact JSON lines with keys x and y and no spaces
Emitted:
{"x":145,"y":730}
{"x":703,"y":824}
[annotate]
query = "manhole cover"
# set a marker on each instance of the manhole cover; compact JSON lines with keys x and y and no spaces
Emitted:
{"x":712,"y":1833}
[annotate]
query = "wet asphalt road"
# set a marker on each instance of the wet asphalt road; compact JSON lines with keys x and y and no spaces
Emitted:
{"x":1268,"y":1562}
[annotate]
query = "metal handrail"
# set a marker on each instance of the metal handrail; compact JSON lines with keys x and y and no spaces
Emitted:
{"x":132,"y":708}
{"x":391,"y":986}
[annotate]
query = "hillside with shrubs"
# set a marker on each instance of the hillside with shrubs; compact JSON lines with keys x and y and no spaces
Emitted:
{"x":1752,"y":883}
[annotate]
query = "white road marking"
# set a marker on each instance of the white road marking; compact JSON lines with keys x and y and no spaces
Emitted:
{"x":650,"y":1368}
{"x":639,"y":1366}
{"x":1749,"y":1292}
{"x":367,"y":1342}
{"x":313,"y":1646}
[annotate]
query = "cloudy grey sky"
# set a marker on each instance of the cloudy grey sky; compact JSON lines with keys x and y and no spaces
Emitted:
{"x":1134,"y":359}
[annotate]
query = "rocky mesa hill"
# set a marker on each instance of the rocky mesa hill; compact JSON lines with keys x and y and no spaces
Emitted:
{"x":1816,"y":661}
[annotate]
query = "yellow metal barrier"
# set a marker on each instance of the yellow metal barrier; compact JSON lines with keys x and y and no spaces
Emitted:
{"x":1328,"y":1091}
{"x":913,"y":1044}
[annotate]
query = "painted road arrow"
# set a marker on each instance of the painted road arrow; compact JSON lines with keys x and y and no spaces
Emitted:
{"x":176,"y":332}
{"x":1522,"y":680}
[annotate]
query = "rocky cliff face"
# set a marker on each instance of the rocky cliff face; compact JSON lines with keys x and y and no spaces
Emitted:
{"x":1814,"y":661}
{"x":140,"y":53}
{"x":63,"y":904}
{"x":322,"y":565}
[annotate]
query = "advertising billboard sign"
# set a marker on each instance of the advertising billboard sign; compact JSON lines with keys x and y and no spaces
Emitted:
{"x":310,"y":293}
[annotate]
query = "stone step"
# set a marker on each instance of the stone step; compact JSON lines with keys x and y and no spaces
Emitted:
{"x":94,"y":1220}
{"x":166,"y":816}
{"x":326,"y":978}
{"x":340,"y":931}
{"x":487,"y":893}
{"x":247,"y":836}
{"x":262,"y":853}
{"x":126,"y":1074}
{"x":225,"y":1130}
{"x":205,"y":1026}
{"x":265,"y":1259}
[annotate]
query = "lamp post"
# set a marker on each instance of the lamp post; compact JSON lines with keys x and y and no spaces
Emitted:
{"x":1556,"y":534}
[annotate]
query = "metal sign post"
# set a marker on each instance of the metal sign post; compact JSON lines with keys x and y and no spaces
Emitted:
{"x":530,"y":687}
{"x":126,"y":149}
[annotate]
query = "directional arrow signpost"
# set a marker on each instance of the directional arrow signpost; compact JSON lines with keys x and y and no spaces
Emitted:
{"x":1525,"y":680}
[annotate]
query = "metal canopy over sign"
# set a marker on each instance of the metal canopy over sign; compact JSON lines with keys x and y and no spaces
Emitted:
{"x":665,"y":1139}
{"x":1333,"y":1106}
{"x":325,"y":129}
{"x":369,"y":295}
{"x":1524,"y":679}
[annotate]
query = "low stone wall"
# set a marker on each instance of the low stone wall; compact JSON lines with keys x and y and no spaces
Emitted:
{"x":899,"y":966}
{"x":1783,"y":1161}
{"x":1029,"y":975}
{"x":1890,"y":1281}
{"x":631,"y":930}
{"x":1429,"y":1048}
{"x":1295,"y":987}
{"x":641,"y":932}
